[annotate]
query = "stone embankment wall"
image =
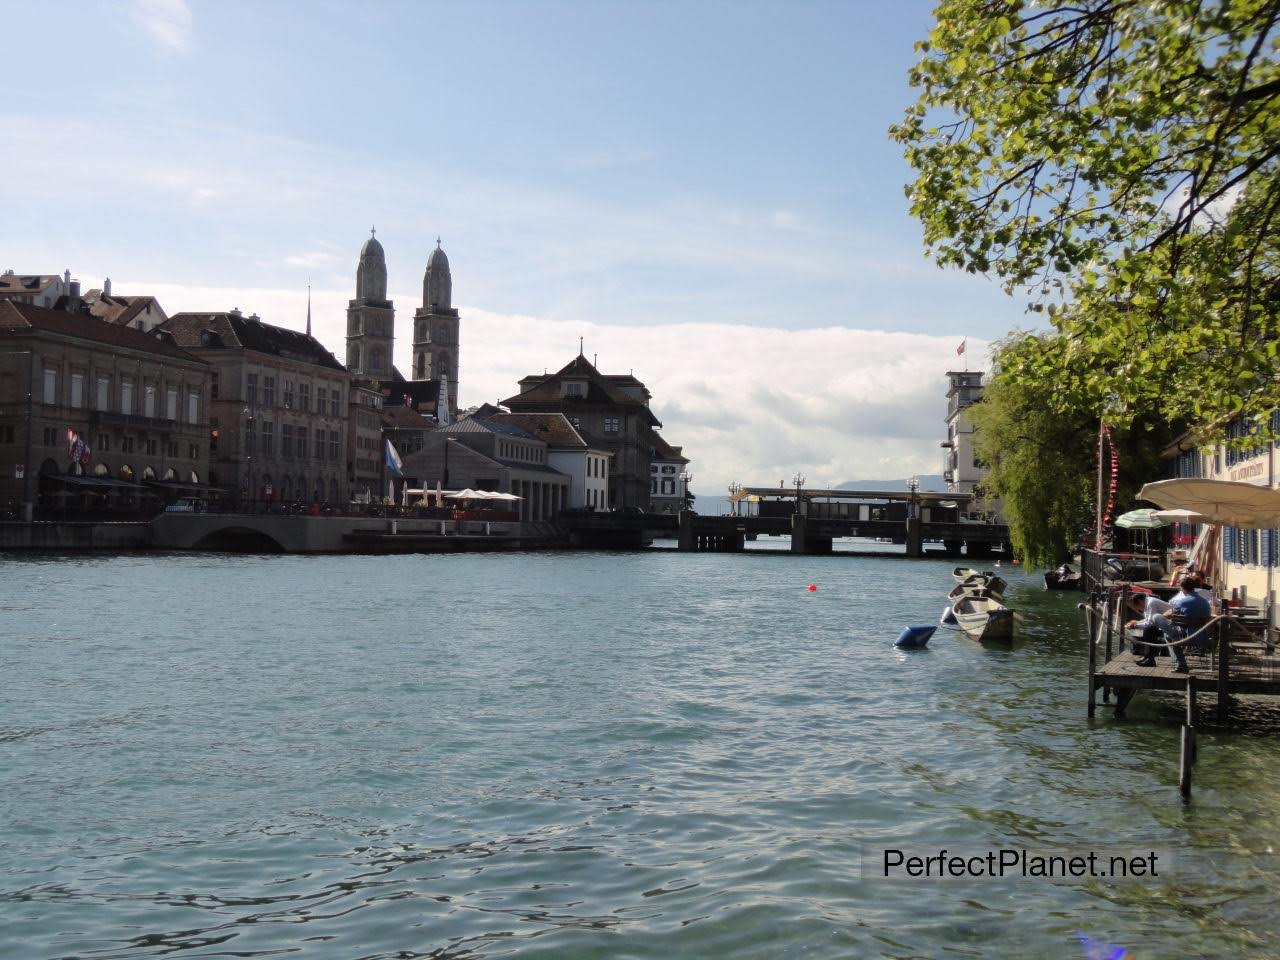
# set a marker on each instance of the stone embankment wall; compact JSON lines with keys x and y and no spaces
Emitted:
{"x":74,"y":536}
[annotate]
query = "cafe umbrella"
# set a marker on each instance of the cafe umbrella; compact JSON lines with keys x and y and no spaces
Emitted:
{"x":1144,"y":520}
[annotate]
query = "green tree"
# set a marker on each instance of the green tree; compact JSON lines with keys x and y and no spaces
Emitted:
{"x":1118,"y":160}
{"x":1042,"y":462}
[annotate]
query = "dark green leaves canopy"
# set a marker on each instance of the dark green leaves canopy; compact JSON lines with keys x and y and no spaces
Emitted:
{"x":1118,"y":160}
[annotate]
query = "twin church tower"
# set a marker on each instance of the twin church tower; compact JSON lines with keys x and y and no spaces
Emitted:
{"x":371,"y":319}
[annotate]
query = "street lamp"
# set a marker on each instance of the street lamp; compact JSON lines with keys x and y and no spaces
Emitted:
{"x":735,"y":488}
{"x":685,"y":478}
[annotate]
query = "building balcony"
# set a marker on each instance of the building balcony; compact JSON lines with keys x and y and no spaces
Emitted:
{"x":109,"y":418}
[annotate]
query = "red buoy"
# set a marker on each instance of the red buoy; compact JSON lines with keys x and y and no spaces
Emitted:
{"x":813,"y":588}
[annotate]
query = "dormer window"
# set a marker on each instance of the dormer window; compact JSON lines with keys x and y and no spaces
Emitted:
{"x":575,"y":389}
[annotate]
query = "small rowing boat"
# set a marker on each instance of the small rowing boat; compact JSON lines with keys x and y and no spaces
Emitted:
{"x":966,"y":575}
{"x":974,"y":588}
{"x":984,"y":618}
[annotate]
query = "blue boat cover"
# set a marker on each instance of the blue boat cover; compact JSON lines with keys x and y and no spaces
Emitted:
{"x":913,"y":638}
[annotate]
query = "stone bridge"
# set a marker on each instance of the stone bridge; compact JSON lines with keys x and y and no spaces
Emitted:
{"x":268,"y":533}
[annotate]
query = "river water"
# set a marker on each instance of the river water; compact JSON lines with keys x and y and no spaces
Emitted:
{"x":581,"y":755}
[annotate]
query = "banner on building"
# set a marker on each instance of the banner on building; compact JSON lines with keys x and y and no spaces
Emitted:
{"x":77,"y":450}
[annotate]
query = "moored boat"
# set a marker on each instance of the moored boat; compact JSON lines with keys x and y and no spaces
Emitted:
{"x":984,"y":618}
{"x":986,"y":578}
{"x":1064,"y":578}
{"x":976,"y":588}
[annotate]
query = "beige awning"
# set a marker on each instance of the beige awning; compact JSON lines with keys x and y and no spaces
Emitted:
{"x":1218,"y":501}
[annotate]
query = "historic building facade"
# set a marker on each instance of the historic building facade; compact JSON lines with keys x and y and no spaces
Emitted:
{"x":279,"y":409}
{"x":371,"y":317}
{"x":610,"y":412}
{"x":137,"y":403}
{"x":435,"y":328}
{"x":666,"y":489}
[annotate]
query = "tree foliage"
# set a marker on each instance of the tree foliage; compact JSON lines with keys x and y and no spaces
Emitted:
{"x":1119,"y":160}
{"x":1042,"y":462}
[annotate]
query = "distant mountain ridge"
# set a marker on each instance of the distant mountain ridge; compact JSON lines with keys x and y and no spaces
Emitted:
{"x":928,"y":482}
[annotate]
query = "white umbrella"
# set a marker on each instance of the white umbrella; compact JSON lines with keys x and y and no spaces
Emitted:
{"x":467,"y":494}
{"x":1179,"y":515}
{"x":1218,"y":501}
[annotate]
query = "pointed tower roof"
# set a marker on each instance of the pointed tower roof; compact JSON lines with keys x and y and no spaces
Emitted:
{"x":438,"y":260}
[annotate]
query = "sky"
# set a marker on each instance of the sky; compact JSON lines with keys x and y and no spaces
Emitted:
{"x":704,"y":191}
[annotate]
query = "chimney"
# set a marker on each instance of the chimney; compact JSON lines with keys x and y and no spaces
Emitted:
{"x":235,"y":312}
{"x":106,"y":287}
{"x":73,"y":297}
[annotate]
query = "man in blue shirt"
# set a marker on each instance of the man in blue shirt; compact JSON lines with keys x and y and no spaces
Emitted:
{"x":1188,"y":604}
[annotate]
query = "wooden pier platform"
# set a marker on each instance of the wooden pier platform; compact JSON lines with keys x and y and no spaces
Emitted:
{"x":1252,"y":672}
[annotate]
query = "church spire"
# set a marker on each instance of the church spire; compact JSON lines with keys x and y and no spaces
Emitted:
{"x":308,"y":308}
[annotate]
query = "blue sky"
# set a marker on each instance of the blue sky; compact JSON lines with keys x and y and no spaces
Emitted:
{"x":660,"y":177}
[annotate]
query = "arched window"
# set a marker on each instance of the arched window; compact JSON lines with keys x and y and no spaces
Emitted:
{"x":353,"y":357}
{"x":376,"y":360}
{"x":286,"y":487}
{"x":422,"y":367}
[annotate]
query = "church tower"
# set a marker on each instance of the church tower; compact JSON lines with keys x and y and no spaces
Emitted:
{"x":370,"y":316}
{"x":435,"y":328}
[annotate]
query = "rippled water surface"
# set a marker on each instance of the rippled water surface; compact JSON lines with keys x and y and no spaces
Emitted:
{"x":582,"y":755}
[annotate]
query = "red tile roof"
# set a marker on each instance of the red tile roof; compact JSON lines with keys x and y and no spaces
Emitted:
{"x":17,"y":316}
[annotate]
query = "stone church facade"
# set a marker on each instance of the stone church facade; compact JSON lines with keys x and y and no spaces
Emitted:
{"x":371,"y":331}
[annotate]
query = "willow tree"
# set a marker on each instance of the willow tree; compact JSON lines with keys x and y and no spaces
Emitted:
{"x":1041,"y":458}
{"x":1117,"y":161}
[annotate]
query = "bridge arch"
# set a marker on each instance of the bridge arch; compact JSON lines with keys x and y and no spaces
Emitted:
{"x":237,"y":539}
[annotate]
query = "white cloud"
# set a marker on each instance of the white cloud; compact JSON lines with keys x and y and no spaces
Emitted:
{"x":167,"y":21}
{"x":747,"y":403}
{"x":316,"y":259}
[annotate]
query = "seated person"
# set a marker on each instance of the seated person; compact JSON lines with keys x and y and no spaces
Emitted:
{"x":1148,"y":606}
{"x":1188,"y":604}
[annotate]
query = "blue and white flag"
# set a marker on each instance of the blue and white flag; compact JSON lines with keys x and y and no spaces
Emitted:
{"x":394,"y":464}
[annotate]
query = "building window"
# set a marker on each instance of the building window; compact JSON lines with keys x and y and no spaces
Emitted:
{"x":50,"y":385}
{"x":321,"y":396}
{"x":171,"y":403}
{"x":319,"y":444}
{"x":50,"y":436}
{"x":193,"y":451}
{"x":269,"y":391}
{"x":611,"y":425}
{"x":668,"y":487}
{"x":104,"y":392}
{"x":126,"y":444}
{"x":653,"y":486}
{"x":152,"y":446}
{"x":268,"y":438}
{"x":288,"y":394}
{"x":193,"y":407}
{"x":104,"y":442}
{"x":77,"y":390}
{"x":333,"y":445}
{"x":6,"y":434}
{"x":302,"y":450}
{"x":126,"y":395}
{"x":173,"y":451}
{"x":213,"y":387}
{"x":286,"y":440}
{"x":304,"y":397}
{"x":251,"y":387}
{"x":149,"y":400}
{"x":335,"y":401}
{"x":249,"y":437}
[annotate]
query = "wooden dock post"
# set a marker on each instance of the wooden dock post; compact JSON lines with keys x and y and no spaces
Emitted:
{"x":1108,"y":618}
{"x":1224,"y":665}
{"x":1092,"y":627}
{"x":1186,"y":760}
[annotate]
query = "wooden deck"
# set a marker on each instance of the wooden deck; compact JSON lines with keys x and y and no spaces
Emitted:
{"x":1252,"y":671}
